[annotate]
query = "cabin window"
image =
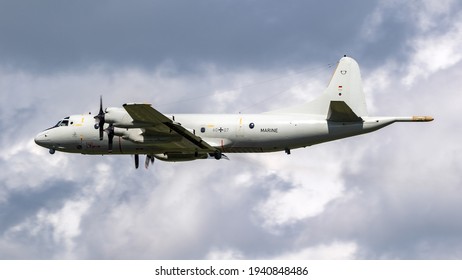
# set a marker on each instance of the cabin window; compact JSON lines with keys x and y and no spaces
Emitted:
{"x":202,"y":129}
{"x":251,"y":125}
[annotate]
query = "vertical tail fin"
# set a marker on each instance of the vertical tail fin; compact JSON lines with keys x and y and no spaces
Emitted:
{"x":346,"y":85}
{"x":344,"y":95}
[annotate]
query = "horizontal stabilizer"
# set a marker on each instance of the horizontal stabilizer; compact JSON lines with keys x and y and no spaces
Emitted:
{"x":339,"y":111}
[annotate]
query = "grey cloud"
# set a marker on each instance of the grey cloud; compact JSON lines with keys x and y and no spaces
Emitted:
{"x":52,"y":35}
{"x":184,"y":219}
{"x":22,"y":204}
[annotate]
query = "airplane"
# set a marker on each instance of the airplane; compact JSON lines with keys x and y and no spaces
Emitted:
{"x":139,"y":129}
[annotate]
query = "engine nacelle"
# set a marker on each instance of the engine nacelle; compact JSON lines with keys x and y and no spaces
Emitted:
{"x":136,"y":135}
{"x":132,"y":134}
{"x":180,"y":156}
{"x":120,"y":118}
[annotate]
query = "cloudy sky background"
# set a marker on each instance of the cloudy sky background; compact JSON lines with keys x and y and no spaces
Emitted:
{"x":392,"y":194}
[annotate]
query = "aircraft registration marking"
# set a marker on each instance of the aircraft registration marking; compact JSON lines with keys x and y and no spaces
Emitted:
{"x":221,"y":129}
{"x":270,"y":130}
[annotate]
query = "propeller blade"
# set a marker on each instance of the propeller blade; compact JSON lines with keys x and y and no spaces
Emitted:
{"x":100,"y":118}
{"x":100,"y":132}
{"x":101,"y":112}
{"x":110,"y":134}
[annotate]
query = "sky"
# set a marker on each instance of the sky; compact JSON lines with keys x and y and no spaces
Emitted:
{"x":392,"y":194}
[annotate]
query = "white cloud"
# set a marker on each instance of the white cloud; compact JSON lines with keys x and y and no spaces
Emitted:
{"x":55,"y":228}
{"x":435,"y":52}
{"x":434,"y":44}
{"x":24,"y":168}
{"x":314,"y":177}
{"x":429,"y":14}
{"x":334,"y":251}
{"x":424,"y":15}
{"x":312,"y":186}
{"x":224,"y":254}
{"x":66,"y":225}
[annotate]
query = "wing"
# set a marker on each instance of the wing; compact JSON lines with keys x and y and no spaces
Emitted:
{"x":157,"y":124}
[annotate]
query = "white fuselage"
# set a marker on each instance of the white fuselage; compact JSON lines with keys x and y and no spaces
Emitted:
{"x":239,"y":133}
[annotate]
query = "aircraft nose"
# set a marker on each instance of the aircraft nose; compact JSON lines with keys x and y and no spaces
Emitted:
{"x":42,"y":139}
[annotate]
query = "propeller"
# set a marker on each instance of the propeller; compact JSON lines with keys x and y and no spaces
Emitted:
{"x":100,"y":119}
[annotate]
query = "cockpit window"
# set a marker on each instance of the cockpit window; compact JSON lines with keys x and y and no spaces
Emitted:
{"x":63,"y":122}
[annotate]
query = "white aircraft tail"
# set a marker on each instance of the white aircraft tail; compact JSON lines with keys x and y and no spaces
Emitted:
{"x":342,"y":101}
